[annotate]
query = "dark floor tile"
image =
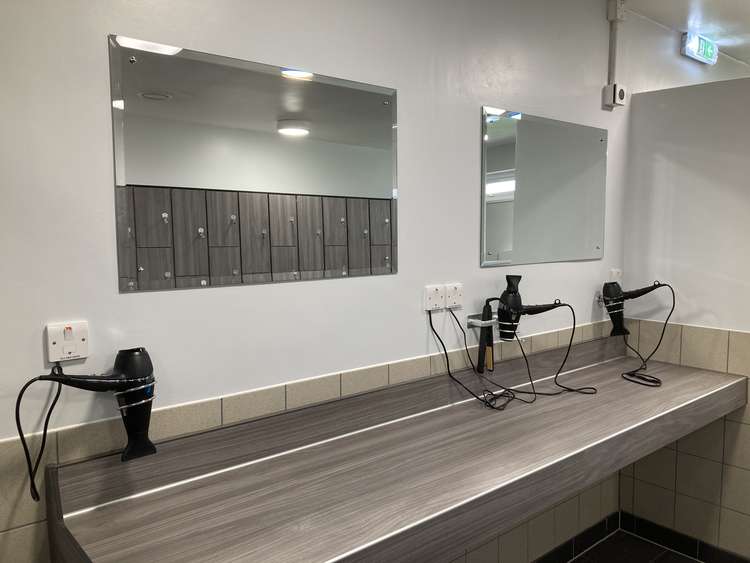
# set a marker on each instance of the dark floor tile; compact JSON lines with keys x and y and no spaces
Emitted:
{"x":666,"y":537}
{"x":622,"y":547}
{"x":711,"y":554}
{"x":673,"y":557}
{"x":562,"y":554}
{"x":589,"y":537}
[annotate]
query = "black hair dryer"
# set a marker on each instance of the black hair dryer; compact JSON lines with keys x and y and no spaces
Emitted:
{"x":511,"y":308}
{"x":614,"y":300}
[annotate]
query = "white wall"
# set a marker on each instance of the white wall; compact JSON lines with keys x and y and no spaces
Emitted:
{"x":689,"y":203}
{"x":446,"y":59}
{"x":166,"y":152}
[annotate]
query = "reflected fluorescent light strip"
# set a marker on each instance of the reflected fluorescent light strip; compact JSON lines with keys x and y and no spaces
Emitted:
{"x":501,"y":187}
{"x":296,"y":74}
{"x":515,"y":115}
{"x":293,"y":128}
{"x":118,"y":104}
{"x":489,"y":110}
{"x":150,"y":46}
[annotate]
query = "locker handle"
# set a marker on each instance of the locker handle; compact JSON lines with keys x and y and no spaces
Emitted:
{"x":141,"y":269}
{"x":318,"y":233}
{"x":365,"y":232}
{"x":201,"y":232}
{"x":233,"y":218}
{"x":343,"y":220}
{"x":263,"y":233}
{"x":165,"y":217}
{"x":167,"y":275}
{"x":291,"y":219}
{"x":387,"y":221}
{"x":235,"y":272}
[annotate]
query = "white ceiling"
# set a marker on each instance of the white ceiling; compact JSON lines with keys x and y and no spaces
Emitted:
{"x":223,"y":92}
{"x":725,"y":21}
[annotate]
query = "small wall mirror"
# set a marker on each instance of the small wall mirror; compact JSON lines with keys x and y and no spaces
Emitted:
{"x":236,"y":172}
{"x":543,"y":189}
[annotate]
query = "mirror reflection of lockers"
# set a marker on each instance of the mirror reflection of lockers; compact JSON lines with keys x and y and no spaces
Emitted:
{"x":543,"y":189}
{"x":234,"y":172}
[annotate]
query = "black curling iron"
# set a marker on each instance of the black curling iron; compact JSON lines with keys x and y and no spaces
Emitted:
{"x":486,"y":353}
{"x":132,"y":381}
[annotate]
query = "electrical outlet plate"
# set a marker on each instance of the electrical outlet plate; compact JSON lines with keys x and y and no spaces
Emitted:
{"x":67,"y":341}
{"x":434,"y":297}
{"x":454,"y":295}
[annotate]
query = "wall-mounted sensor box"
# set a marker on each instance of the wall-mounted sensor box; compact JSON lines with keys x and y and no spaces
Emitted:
{"x":67,"y":341}
{"x":615,"y":95}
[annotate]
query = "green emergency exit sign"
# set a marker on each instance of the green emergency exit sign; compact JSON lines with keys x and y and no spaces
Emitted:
{"x":699,"y":48}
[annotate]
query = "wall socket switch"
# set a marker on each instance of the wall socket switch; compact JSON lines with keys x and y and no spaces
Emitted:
{"x":67,"y":341}
{"x":434,"y":297}
{"x":454,"y":295}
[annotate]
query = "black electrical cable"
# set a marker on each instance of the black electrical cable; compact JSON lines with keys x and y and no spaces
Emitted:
{"x":488,"y":398}
{"x":586,"y":390}
{"x":637,"y":375}
{"x":56,"y":370}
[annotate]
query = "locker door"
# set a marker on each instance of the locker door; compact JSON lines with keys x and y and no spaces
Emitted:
{"x":155,"y":268}
{"x":126,"y":256}
{"x":337,"y":265}
{"x":223,"y":218}
{"x":254,"y":227}
{"x":190,"y":234}
{"x":284,"y":261}
{"x":358,"y":218}
{"x":380,"y":221}
{"x":381,"y":259}
{"x":153,"y":216}
{"x":310,"y":229}
{"x":283,"y":217}
{"x":334,"y":221}
{"x":225,"y":265}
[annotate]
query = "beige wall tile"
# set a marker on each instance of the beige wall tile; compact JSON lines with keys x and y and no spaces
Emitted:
{"x":697,"y":519}
{"x":513,"y":545}
{"x":705,"y":348}
{"x":658,"y":468}
{"x":739,"y":353}
{"x":408,"y":370}
{"x":591,"y":507}
{"x":185,"y":419}
{"x":563,"y":336}
{"x":654,"y":503}
{"x":93,"y":439}
{"x":669,"y":351}
{"x":546,"y":341}
{"x":566,"y":520}
{"x":487,"y":553}
{"x":707,"y":442}
{"x":16,"y":506}
{"x":742,"y":414}
{"x":733,"y":532}
{"x":699,"y":478}
{"x":511,"y":350}
{"x":363,"y":380}
{"x":737,"y":444}
{"x":541,"y":538}
{"x":253,"y":404}
{"x":610,"y":496}
{"x":601,"y":329}
{"x":457,"y":358}
{"x":585,"y":332}
{"x":626,"y":494}
{"x":25,"y":545}
{"x":736,"y":491}
{"x":312,"y":391}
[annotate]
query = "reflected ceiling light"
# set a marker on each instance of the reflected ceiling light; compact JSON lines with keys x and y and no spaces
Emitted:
{"x":293,"y":128}
{"x":118,"y":104}
{"x":296,"y":74}
{"x":515,"y":115}
{"x":486,"y":137}
{"x":151,"y":47}
{"x":489,"y":110}
{"x":501,"y":187}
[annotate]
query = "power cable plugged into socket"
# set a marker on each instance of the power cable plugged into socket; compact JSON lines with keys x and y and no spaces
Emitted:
{"x":434,"y":297}
{"x":454,"y":295}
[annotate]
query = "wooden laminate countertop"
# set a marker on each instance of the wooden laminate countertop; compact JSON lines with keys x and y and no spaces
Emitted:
{"x":415,"y":484}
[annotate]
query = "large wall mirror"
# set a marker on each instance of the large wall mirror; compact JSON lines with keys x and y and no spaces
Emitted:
{"x":543,"y":189}
{"x":235,"y":172}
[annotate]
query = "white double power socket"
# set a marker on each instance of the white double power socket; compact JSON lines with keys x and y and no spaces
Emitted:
{"x":443,"y":296}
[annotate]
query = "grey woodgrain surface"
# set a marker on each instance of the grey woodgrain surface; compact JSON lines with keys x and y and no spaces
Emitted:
{"x":126,"y":259}
{"x":358,"y":217}
{"x":415,"y":489}
{"x":190,"y":233}
{"x":226,"y":268}
{"x":256,"y":278}
{"x":223,"y":218}
{"x":63,"y":547}
{"x":128,"y":284}
{"x":106,"y":478}
{"x":334,"y":221}
{"x":255,"y":233}
{"x":155,"y":268}
{"x":380,"y":221}
{"x":284,"y":263}
{"x":151,"y":228}
{"x":310,"y":232}
{"x":381,"y":259}
{"x":337,"y":261}
{"x":193,"y":281}
{"x":283,"y":218}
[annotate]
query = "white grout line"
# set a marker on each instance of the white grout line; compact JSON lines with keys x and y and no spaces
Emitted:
{"x":300,"y":448}
{"x":519,"y":477}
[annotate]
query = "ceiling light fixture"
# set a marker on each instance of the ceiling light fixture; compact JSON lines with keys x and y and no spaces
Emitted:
{"x":293,"y":128}
{"x":118,"y":104}
{"x":296,"y":74}
{"x":489,"y":110}
{"x":150,"y":46}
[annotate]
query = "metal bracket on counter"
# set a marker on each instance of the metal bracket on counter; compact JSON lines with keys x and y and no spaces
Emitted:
{"x":475,"y":321}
